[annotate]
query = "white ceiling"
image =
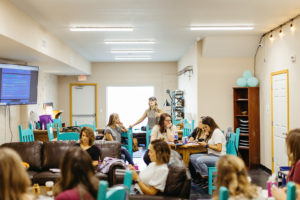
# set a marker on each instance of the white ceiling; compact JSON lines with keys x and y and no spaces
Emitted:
{"x":165,"y":21}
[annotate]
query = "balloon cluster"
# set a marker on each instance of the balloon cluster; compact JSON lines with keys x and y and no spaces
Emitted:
{"x":247,"y":80}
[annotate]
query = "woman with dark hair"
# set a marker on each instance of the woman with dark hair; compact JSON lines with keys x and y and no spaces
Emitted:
{"x":152,"y":113}
{"x":153,"y":178}
{"x":164,"y":130}
{"x":87,"y":139}
{"x":198,"y":134}
{"x":77,"y":179}
{"x":215,"y":143}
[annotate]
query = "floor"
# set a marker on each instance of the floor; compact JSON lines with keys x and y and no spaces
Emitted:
{"x":258,"y":176}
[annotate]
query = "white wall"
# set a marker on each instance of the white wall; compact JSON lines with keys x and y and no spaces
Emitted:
{"x":162,"y":75}
{"x":47,"y":92}
{"x":275,"y":56}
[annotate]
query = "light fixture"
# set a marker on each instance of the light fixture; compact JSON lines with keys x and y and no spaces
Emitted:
{"x":133,"y":58}
{"x":221,"y":28}
{"x":166,"y":103}
{"x":292,"y":26}
{"x":129,"y":41}
{"x":86,"y":28}
{"x":271,"y":37}
{"x":280,"y":32}
{"x":131,"y":51}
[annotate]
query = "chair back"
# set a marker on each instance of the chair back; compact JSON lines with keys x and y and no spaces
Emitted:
{"x":67,"y":136}
{"x":92,"y":126}
{"x":57,"y":123}
{"x":223,"y":193}
{"x":129,"y":146}
{"x":148,"y":136}
{"x":50,"y":131}
{"x":128,"y":179}
{"x":291,"y":191}
{"x":188,"y":128}
{"x":116,"y":192}
{"x":26,"y":135}
{"x":237,"y":138}
{"x":175,"y":122}
{"x":230,"y":146}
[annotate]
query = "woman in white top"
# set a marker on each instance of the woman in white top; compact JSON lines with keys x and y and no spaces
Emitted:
{"x":152,"y":113}
{"x":216,"y":147}
{"x":232,"y":174}
{"x":163,"y":130}
{"x":153,"y":178}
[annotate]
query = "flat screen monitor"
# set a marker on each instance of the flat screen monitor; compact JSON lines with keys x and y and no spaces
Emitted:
{"x":18,"y":84}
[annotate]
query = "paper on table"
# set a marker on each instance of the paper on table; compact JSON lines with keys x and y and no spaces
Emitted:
{"x":55,"y":170}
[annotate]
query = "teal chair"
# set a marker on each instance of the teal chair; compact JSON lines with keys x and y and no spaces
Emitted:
{"x":92,"y":126}
{"x":26,"y":135}
{"x":116,"y":192}
{"x":188,"y":128}
{"x":67,"y":136}
{"x":50,"y":131}
{"x":148,"y":136}
{"x":128,"y":137}
{"x":57,"y":123}
{"x":175,"y":122}
{"x":291,"y":191}
{"x":231,"y":149}
{"x":223,"y":193}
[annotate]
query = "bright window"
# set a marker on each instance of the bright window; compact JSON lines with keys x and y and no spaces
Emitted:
{"x":129,"y":102}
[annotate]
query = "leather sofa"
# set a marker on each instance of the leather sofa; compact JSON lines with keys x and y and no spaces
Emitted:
{"x":42,"y":156}
{"x":178,"y":183}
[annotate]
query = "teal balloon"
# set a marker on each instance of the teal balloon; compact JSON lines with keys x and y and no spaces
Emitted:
{"x":242,"y":82}
{"x":247,"y":74}
{"x":252,"y":82}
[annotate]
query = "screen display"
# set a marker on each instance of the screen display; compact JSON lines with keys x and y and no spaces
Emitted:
{"x":18,"y":84}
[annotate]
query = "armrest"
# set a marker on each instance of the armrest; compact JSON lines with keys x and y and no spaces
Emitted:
{"x":112,"y":171}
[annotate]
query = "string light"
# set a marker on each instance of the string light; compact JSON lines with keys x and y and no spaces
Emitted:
{"x":271,"y":37}
{"x":292,"y":27}
{"x":280,"y":32}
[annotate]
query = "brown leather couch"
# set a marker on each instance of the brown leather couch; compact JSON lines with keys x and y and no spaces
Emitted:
{"x":43,"y":156}
{"x":178,"y":183}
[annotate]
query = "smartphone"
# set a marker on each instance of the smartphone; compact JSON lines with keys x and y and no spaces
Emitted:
{"x":201,"y":140}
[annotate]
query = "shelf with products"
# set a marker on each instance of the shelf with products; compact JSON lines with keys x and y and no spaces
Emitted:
{"x":177,"y":105}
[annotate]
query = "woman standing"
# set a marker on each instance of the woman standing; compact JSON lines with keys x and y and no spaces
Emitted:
{"x":164,"y":130}
{"x":113,"y":132}
{"x":153,"y":178}
{"x":152,"y":113}
{"x":216,"y":147}
{"x":87,"y":139}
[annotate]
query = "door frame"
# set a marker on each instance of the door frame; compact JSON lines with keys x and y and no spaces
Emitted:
{"x":288,"y":110}
{"x":82,"y":84}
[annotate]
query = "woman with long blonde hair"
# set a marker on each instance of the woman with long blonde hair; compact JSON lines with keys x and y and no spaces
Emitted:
{"x":232,"y":174}
{"x":14,"y":180}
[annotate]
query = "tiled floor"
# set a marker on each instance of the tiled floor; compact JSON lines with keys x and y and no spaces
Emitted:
{"x":258,"y":176}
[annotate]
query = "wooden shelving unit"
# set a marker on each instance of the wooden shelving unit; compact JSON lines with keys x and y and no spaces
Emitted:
{"x":246,"y":117}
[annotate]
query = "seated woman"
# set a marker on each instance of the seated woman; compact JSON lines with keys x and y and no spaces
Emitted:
{"x":14,"y":180}
{"x":198,"y":133}
{"x":153,"y":178}
{"x":77,"y":180}
{"x":232,"y":174}
{"x":164,"y":130}
{"x":216,"y":147}
{"x":293,"y":152}
{"x":87,"y":139}
{"x":113,"y":132}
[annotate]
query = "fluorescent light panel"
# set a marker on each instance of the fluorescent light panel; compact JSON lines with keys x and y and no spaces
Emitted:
{"x":131,"y":51}
{"x":133,"y":58}
{"x":221,"y":28}
{"x":81,"y":28}
{"x":129,"y":41}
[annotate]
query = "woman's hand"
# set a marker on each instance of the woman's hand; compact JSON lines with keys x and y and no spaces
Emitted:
{"x":278,"y":193}
{"x":135,"y":176}
{"x":170,"y":125}
{"x":203,"y":144}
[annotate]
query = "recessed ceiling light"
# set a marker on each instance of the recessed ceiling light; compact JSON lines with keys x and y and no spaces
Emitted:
{"x":129,"y":41}
{"x":82,"y":28}
{"x":221,"y":28}
{"x":131,"y":51}
{"x":133,"y":58}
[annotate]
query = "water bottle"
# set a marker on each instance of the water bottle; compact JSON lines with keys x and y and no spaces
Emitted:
{"x":271,"y":181}
{"x":175,"y":138}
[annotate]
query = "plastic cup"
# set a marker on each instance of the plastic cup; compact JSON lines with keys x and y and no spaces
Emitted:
{"x":49,"y":188}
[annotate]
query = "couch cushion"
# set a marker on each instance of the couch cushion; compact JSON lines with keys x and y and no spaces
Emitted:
{"x":31,"y":174}
{"x":109,"y":149}
{"x":101,"y":176}
{"x":30,"y":152}
{"x":42,"y":177}
{"x":54,"y":151}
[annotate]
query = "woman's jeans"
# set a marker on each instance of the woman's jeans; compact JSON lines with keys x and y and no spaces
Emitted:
{"x":126,"y":155}
{"x":201,"y":162}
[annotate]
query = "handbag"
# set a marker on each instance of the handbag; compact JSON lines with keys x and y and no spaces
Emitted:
{"x":135,"y":145}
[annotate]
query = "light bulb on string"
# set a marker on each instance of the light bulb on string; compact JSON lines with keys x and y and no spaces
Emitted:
{"x":292,"y":27}
{"x":280,"y":32}
{"x":271,"y":37}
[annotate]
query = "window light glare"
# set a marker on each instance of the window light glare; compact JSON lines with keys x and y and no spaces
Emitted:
{"x":133,"y":58}
{"x":131,"y":51}
{"x":221,"y":28}
{"x":129,"y":41}
{"x":101,"y":29}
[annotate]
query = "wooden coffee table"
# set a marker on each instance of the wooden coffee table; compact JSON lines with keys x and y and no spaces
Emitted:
{"x":187,"y":149}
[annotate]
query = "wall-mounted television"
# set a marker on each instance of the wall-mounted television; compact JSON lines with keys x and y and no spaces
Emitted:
{"x":18,"y":84}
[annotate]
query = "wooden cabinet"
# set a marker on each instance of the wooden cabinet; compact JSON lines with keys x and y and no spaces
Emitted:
{"x":246,"y":117}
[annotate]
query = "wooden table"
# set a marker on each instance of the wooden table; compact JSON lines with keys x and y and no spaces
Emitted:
{"x":187,"y":149}
{"x":42,"y":135}
{"x":41,"y":195}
